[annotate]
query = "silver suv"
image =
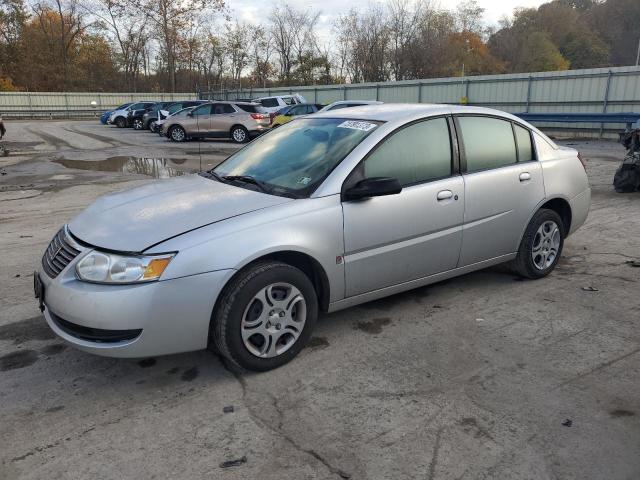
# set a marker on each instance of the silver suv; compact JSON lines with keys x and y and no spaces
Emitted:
{"x":326,"y":212}
{"x":238,"y":121}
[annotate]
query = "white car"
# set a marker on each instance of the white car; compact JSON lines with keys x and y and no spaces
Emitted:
{"x":275,"y":103}
{"x":348,"y":104}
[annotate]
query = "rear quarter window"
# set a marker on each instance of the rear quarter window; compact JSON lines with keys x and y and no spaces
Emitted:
{"x":525,"y":149}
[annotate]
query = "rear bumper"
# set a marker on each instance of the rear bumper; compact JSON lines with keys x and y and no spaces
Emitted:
{"x":580,"y":205}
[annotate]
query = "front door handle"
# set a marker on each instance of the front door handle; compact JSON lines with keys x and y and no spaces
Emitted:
{"x":444,"y":195}
{"x":525,"y":176}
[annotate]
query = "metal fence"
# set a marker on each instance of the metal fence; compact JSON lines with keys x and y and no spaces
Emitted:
{"x":599,"y":90}
{"x":73,"y":105}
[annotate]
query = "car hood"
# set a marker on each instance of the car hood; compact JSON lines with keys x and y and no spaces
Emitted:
{"x":134,"y":220}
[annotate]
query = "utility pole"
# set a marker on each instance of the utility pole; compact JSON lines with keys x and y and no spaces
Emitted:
{"x":638,"y":55}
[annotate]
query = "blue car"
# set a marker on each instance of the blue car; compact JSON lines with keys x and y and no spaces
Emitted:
{"x":105,"y":116}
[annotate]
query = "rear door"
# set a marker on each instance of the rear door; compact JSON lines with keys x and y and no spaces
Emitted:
{"x":222,"y":119}
{"x":416,"y":233}
{"x":503,"y":185}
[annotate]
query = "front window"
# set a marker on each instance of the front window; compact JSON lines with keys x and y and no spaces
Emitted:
{"x":295,"y":158}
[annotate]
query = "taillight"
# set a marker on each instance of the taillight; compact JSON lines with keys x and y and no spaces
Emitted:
{"x":259,"y":116}
{"x":582,"y":161}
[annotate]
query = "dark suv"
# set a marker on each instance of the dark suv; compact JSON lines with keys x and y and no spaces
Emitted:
{"x":134,"y":116}
{"x":142,"y":118}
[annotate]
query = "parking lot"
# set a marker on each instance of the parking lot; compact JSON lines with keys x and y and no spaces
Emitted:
{"x":484,"y":376}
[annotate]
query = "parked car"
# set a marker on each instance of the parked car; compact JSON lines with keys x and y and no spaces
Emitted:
{"x":142,"y":122}
{"x":166,"y":109}
{"x":326,"y":212}
{"x":236,"y":120}
{"x":348,"y":104}
{"x":135,"y":118}
{"x":157,"y":125}
{"x":275,"y":103}
{"x":120,"y":117}
{"x":104,"y":118}
{"x":287,"y":114}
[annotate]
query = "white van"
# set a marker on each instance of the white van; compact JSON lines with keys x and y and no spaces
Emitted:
{"x":275,"y":103}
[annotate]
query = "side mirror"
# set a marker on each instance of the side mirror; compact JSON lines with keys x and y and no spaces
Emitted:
{"x":190,"y":114}
{"x":373,"y":187}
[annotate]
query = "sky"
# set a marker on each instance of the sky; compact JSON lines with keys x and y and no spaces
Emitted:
{"x":257,"y":11}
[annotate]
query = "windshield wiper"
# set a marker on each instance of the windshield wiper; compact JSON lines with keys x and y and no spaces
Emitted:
{"x":212,"y":174}
{"x":249,"y":179}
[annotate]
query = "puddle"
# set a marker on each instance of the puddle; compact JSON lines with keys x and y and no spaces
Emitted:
{"x":152,"y":167}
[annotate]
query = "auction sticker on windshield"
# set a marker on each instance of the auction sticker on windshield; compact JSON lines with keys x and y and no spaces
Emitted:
{"x":354,"y":125}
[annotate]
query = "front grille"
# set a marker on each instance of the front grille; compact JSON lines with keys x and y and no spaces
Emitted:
{"x":97,"y":335}
{"x":58,"y":254}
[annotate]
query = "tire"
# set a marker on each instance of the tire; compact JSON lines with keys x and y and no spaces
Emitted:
{"x":177,"y":134}
{"x":121,"y":122}
{"x":541,"y":245}
{"x":137,"y":124}
{"x":282,"y":329}
{"x":239,"y":134}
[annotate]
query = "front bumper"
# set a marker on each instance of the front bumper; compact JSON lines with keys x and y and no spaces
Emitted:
{"x":139,"y":320}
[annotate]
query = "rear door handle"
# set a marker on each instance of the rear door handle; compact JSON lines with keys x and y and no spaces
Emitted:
{"x":525,"y":176}
{"x":444,"y":195}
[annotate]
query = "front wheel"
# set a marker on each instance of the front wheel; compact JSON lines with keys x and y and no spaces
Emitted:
{"x":177,"y":134}
{"x":239,"y":134}
{"x":265,"y":316}
{"x":121,"y":122}
{"x":541,"y":245}
{"x":137,"y":124}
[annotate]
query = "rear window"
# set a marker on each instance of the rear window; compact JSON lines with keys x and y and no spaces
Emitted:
{"x":269,"y":102}
{"x":249,"y":108}
{"x":175,"y":107}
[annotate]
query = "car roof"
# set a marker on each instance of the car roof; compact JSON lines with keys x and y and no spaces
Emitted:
{"x":392,"y":112}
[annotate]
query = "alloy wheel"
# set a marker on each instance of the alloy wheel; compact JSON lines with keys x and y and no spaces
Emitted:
{"x":273,"y":320}
{"x":137,"y":124}
{"x":239,"y":135}
{"x":546,"y":245}
{"x":177,"y":134}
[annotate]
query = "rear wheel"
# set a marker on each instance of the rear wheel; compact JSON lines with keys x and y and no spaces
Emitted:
{"x":177,"y":134}
{"x":239,"y":134}
{"x":121,"y":122}
{"x":265,"y":316}
{"x":541,"y":245}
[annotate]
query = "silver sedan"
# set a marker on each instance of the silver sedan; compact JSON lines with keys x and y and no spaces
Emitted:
{"x":326,"y":212}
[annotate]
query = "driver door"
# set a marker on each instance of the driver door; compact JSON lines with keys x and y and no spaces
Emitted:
{"x":199,"y":122}
{"x":416,"y":233}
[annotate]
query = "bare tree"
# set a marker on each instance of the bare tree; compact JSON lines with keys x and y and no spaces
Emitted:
{"x":170,"y":18}
{"x":236,"y":41}
{"x":129,"y":31}
{"x":62,"y":23}
{"x":404,"y":25}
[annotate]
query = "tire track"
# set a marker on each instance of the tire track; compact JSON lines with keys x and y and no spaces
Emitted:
{"x":101,"y":138}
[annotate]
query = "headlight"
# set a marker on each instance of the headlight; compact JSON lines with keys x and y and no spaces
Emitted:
{"x":100,"y":267}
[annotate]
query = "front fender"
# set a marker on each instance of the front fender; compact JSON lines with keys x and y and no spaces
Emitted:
{"x":309,"y":226}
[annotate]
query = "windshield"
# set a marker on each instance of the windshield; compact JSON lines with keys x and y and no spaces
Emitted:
{"x":297,"y":157}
